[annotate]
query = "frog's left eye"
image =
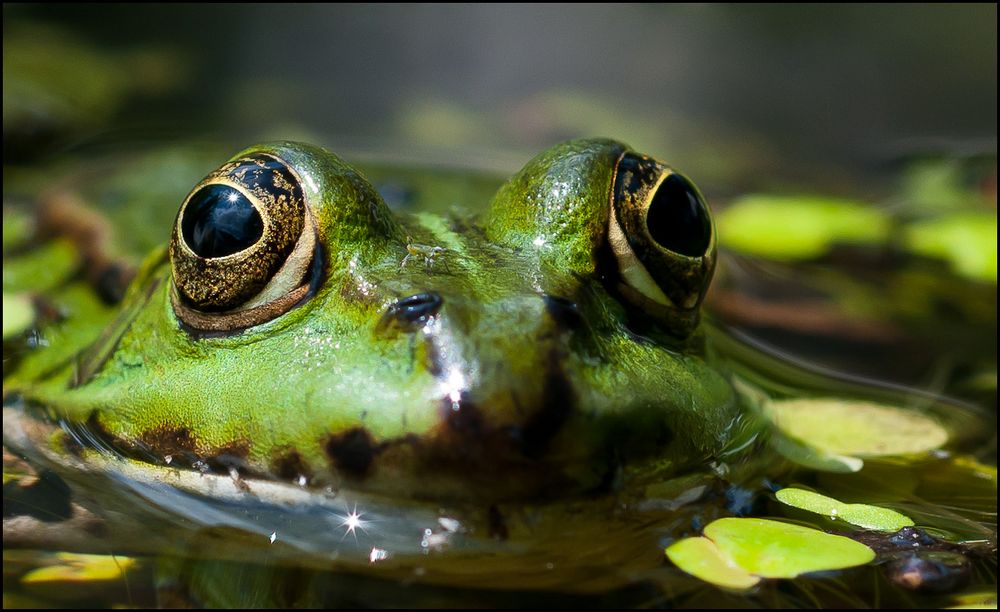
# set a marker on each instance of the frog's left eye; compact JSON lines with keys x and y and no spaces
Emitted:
{"x":661,"y":232}
{"x":242,"y":245}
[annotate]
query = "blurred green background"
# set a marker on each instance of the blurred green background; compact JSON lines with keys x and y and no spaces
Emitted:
{"x":724,"y":91}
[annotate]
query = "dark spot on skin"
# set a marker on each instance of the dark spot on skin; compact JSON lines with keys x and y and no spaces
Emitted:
{"x":410,"y":313}
{"x":564,"y":312}
{"x":557,"y":403}
{"x":46,"y":499}
{"x":289,"y":465}
{"x":497,"y":524}
{"x":173,"y":441}
{"x":352,"y":451}
{"x":463,"y":417}
{"x":231,"y":456}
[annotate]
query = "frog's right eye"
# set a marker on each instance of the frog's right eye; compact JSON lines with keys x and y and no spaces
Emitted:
{"x":661,"y":233}
{"x":242,"y":246}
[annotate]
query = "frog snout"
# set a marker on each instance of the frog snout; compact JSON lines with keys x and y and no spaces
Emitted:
{"x":502,"y":368}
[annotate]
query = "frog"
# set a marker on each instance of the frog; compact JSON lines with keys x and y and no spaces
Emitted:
{"x":491,"y":368}
{"x":380,"y":386}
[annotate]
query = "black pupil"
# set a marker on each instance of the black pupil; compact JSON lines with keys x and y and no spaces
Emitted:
{"x":220,"y":221}
{"x":677,"y":219}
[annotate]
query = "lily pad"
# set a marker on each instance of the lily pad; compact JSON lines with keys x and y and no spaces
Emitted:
{"x":764,"y":549}
{"x":772,"y":549}
{"x":815,"y":458}
{"x":809,"y":225}
{"x":966,"y":241}
{"x":701,"y":558}
{"x":860,"y":515}
{"x":79,"y":568}
{"x":856,"y":428}
{"x":71,"y":578}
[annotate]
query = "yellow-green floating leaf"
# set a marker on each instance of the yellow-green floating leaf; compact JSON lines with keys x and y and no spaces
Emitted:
{"x":856,"y":428}
{"x":79,"y":568}
{"x":18,"y":314}
{"x":966,"y":241}
{"x":701,"y":558}
{"x":976,"y":600}
{"x":815,"y":458}
{"x":808,"y":226}
{"x":771,"y":549}
{"x":861,"y":515}
{"x":735,"y":553}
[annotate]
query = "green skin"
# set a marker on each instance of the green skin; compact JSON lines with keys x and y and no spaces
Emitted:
{"x":502,"y":394}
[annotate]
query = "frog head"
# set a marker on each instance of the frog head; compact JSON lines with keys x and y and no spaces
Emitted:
{"x":296,"y":328}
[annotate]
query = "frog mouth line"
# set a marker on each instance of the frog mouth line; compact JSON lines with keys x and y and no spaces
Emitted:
{"x":463,"y":446}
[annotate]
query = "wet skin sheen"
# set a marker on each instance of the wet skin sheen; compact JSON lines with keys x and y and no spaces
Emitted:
{"x":297,"y":329}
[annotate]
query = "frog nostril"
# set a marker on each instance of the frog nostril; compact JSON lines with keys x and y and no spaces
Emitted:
{"x":411,"y":312}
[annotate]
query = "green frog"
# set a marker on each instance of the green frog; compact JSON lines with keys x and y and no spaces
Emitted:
{"x":345,"y":385}
{"x":417,"y":356}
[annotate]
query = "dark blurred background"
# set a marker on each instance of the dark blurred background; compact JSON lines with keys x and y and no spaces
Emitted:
{"x":734,"y":90}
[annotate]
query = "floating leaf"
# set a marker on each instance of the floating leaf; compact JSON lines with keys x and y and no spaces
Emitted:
{"x":18,"y":314}
{"x":856,"y":428}
{"x":79,"y":568}
{"x":860,"y":515}
{"x":772,"y":549}
{"x":701,"y":558}
{"x":966,"y":241}
{"x":809,"y":225}
{"x":976,"y":600}
{"x":734,"y":548}
{"x":815,"y":458}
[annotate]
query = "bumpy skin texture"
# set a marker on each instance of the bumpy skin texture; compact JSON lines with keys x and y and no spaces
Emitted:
{"x":512,"y":373}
